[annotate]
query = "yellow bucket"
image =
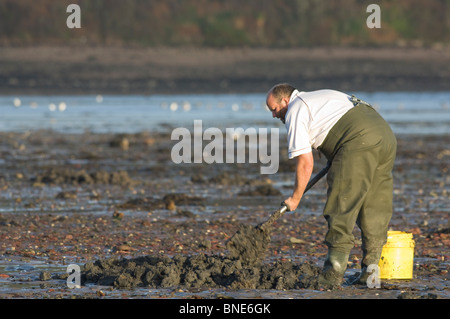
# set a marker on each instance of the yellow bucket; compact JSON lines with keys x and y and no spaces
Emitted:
{"x":397,"y":256}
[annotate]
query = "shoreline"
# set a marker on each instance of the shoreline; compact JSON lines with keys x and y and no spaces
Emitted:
{"x":135,"y":70}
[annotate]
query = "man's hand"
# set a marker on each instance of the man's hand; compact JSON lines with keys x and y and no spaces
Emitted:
{"x":291,"y":203}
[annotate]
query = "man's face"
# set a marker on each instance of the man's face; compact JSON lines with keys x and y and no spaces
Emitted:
{"x":278,"y":109}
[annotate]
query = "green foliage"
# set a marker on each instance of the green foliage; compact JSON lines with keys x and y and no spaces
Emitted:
{"x":221,"y":23}
{"x":219,"y":30}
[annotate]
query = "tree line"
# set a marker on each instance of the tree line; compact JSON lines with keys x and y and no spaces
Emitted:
{"x":225,"y":23}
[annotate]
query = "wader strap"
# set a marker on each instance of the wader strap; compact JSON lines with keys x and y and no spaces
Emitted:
{"x":357,"y":101}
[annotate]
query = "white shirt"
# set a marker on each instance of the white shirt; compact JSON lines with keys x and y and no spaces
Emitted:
{"x":310,"y":116}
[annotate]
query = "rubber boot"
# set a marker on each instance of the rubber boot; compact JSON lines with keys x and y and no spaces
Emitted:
{"x":333,"y":269}
{"x":370,"y":257}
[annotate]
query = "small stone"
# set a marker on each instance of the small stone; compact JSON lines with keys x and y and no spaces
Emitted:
{"x":44,"y":276}
{"x":170,"y":205}
{"x":117,"y":215}
{"x":205,"y":244}
{"x":296,"y":240}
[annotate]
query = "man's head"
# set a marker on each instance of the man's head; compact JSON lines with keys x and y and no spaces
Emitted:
{"x":277,"y":100}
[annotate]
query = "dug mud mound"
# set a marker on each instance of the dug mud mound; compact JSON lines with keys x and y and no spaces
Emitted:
{"x":198,"y":271}
{"x":249,"y":244}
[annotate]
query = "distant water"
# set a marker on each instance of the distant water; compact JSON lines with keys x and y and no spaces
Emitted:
{"x":408,"y":113}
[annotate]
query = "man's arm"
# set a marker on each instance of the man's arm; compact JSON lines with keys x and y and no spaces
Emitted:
{"x":303,"y":171}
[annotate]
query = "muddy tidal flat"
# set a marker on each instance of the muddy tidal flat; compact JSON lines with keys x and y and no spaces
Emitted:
{"x":86,"y":69}
{"x":95,"y":199}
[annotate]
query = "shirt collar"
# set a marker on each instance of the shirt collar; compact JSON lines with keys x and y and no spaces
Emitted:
{"x":294,"y":95}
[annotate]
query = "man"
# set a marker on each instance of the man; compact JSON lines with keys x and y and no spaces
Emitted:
{"x":361,"y":148}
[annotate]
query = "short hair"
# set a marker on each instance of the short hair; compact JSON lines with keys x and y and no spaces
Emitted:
{"x":282,"y":90}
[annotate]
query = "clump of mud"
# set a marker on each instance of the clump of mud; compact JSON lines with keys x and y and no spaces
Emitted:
{"x":198,"y":271}
{"x":69,"y":176}
{"x":262,"y":190}
{"x":226,"y":178}
{"x":249,"y":244}
{"x":242,"y":268}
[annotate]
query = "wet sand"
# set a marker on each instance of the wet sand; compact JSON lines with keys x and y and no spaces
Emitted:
{"x":82,"y":198}
{"x":136,"y":70}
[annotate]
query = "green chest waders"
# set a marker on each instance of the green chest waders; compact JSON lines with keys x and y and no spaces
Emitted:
{"x":362,"y":148}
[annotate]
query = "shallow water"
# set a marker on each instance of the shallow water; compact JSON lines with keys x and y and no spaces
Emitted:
{"x":408,"y":113}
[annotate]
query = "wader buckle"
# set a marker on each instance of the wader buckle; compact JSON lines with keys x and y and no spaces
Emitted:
{"x":357,"y":101}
